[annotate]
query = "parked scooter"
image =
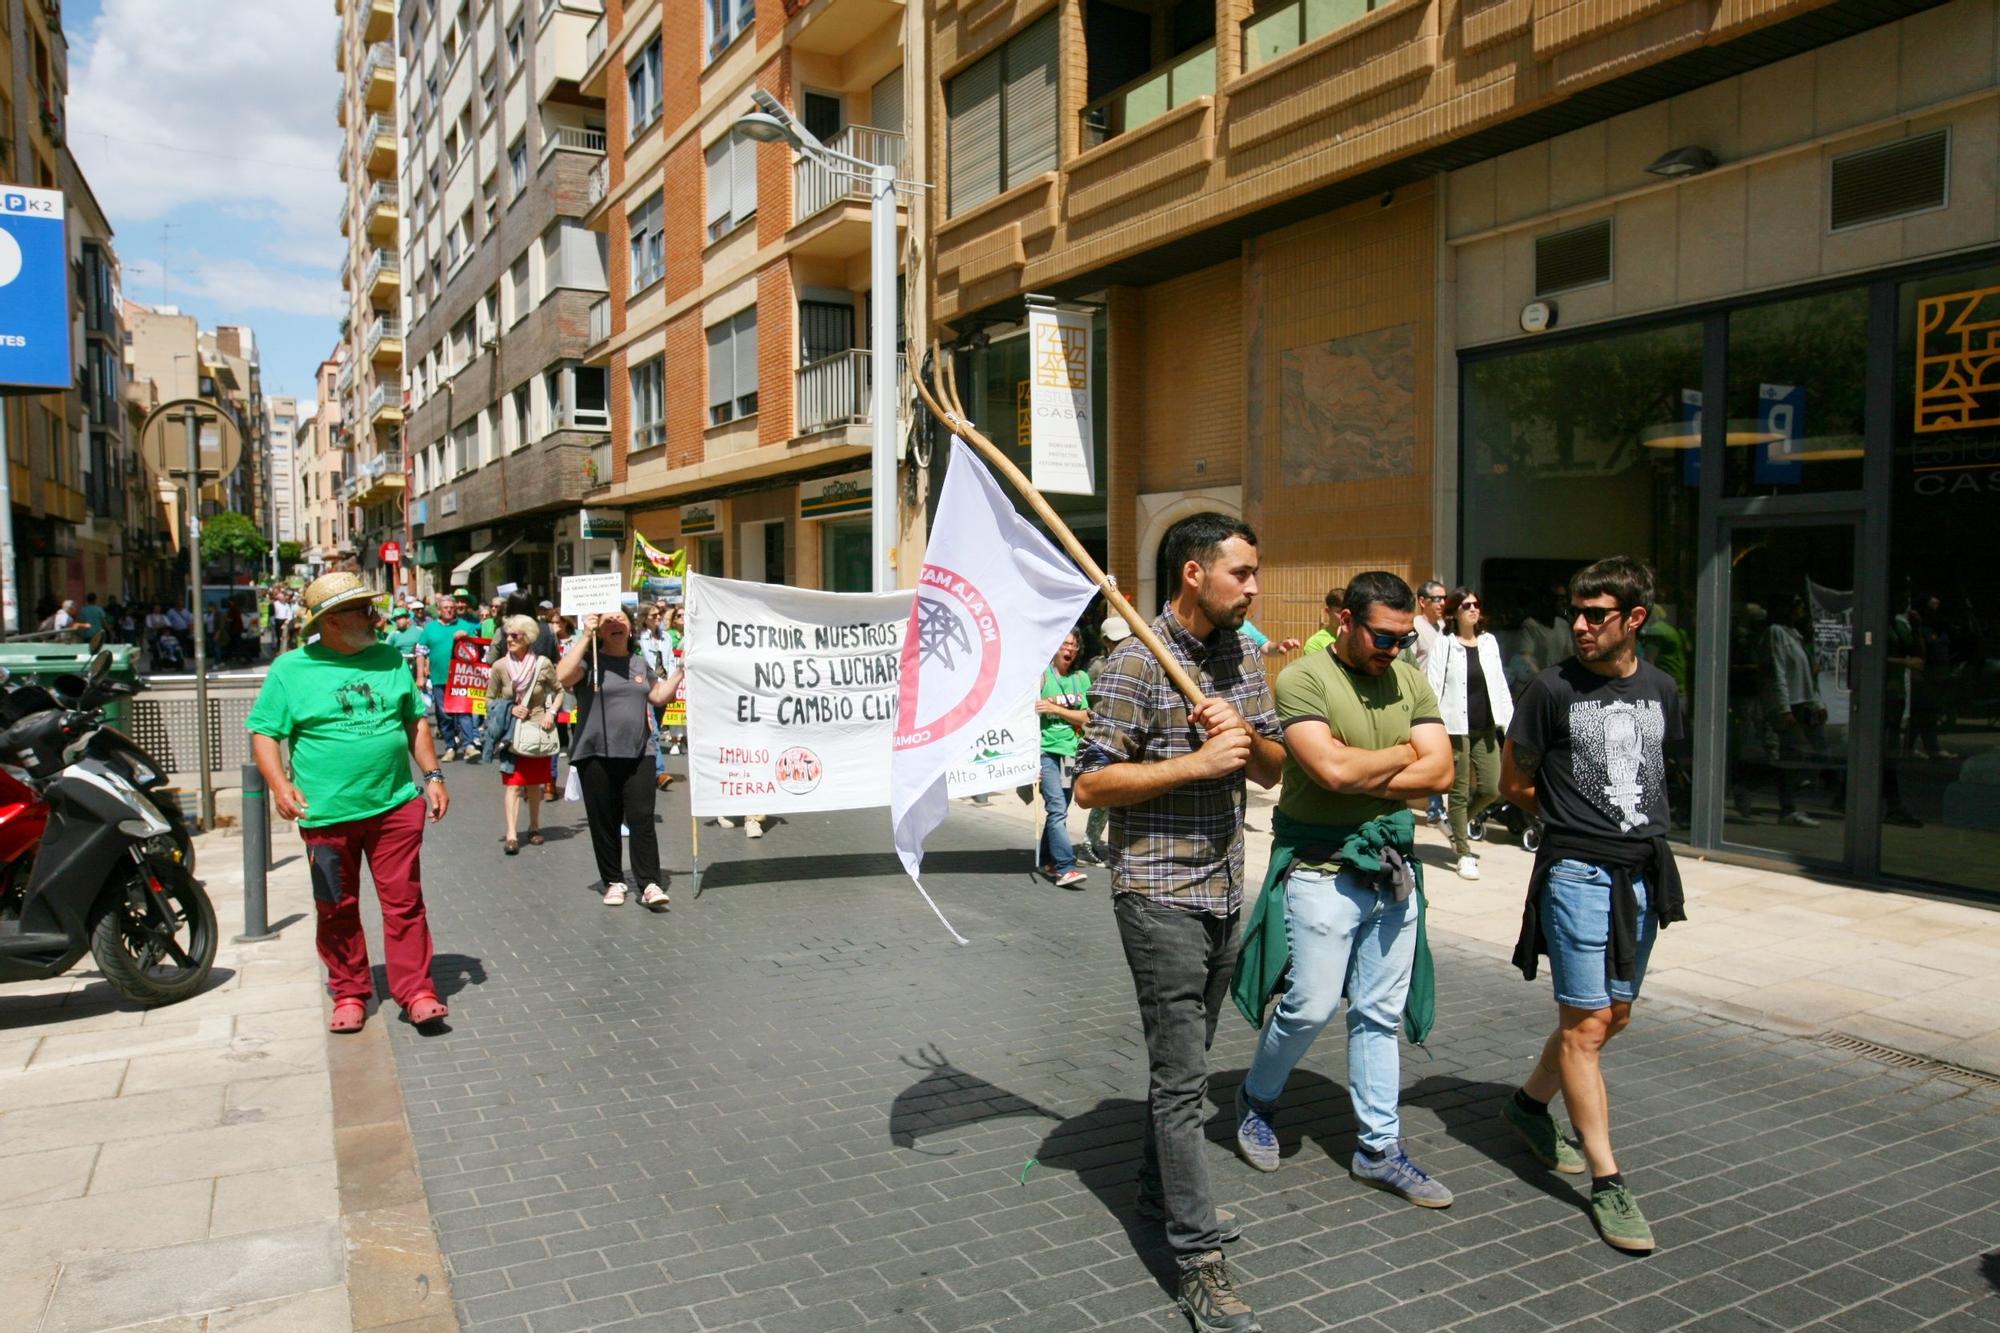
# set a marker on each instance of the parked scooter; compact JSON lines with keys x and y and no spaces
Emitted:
{"x":96,"y":862}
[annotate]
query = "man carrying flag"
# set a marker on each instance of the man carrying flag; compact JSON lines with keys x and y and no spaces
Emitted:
{"x":1173,"y":779}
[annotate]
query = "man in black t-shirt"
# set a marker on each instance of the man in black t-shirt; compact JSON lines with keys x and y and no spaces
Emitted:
{"x":1587,"y":750}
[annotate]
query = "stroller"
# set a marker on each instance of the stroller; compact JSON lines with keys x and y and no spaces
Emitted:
{"x":1515,"y":820}
{"x":167,"y":652}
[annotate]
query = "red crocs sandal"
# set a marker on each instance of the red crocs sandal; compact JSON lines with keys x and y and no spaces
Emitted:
{"x":348,"y":1016}
{"x":425,"y":1008}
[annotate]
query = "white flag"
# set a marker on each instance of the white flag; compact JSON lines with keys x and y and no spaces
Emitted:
{"x":993,"y":603}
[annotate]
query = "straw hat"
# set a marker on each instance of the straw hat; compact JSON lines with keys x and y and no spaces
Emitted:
{"x":330,"y":592}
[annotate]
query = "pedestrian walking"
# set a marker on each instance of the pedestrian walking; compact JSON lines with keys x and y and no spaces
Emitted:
{"x":1063,"y":713}
{"x":521,"y":700}
{"x":91,"y":621}
{"x":348,"y":711}
{"x":1430,"y":624}
{"x":1174,"y":779}
{"x":612,"y":749}
{"x":1342,"y":907}
{"x":283,"y":612}
{"x":658,"y":649}
{"x":1587,"y":750}
{"x":677,"y":633}
{"x":1470,"y":681}
{"x":433,"y":654}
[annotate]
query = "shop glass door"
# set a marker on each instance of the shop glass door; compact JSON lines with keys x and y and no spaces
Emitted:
{"x":1792,"y":714}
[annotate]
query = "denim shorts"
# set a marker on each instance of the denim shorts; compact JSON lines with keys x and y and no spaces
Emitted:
{"x":1576,"y":920}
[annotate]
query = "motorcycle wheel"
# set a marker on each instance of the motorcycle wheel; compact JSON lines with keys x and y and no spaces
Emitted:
{"x":156,"y":946}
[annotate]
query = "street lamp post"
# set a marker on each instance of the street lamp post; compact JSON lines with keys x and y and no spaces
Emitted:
{"x":772,"y":123}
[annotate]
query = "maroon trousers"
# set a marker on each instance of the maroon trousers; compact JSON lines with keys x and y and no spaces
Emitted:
{"x":391,"y":842}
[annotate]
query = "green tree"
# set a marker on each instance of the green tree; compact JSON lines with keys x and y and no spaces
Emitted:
{"x":232,"y":537}
{"x":290,"y":553}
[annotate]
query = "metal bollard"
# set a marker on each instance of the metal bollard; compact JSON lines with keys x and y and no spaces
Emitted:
{"x":256,"y":857}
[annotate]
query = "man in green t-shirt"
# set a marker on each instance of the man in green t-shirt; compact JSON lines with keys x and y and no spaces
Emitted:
{"x":348,"y":709}
{"x":433,"y":662}
{"x":1363,"y":737}
{"x":1064,"y":713}
{"x":403,"y":636}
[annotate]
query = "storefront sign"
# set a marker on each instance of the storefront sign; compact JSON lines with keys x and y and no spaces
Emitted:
{"x":448,"y":503}
{"x":391,"y":553}
{"x":34,"y":274}
{"x":601,"y":525}
{"x":697,"y":520}
{"x":1061,"y":442}
{"x":833,"y":497}
{"x":1958,"y":368}
{"x":465,"y":688}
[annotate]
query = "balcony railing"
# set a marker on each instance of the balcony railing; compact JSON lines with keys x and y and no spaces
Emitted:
{"x":380,"y":261}
{"x":838,"y":390}
{"x":579,"y":138}
{"x":598,"y":183}
{"x":382,"y":397}
{"x":380,"y":56}
{"x":384,"y":326}
{"x":814,"y":187}
{"x":600,"y":320}
{"x":381,"y":193}
{"x":381,"y":126}
{"x":344,"y":381}
{"x":1150,"y":96}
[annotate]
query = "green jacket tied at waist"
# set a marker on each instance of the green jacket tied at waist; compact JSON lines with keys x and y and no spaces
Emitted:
{"x":1267,"y":950}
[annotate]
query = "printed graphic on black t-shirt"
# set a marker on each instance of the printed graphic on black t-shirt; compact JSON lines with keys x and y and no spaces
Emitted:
{"x":1602,"y":742}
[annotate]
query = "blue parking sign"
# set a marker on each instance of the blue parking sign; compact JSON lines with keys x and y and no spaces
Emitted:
{"x":34,"y":290}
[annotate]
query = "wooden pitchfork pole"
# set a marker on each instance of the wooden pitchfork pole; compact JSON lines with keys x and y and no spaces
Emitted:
{"x":948,"y":408}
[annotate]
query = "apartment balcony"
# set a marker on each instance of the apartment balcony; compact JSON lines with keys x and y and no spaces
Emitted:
{"x":346,"y":214}
{"x":596,"y":49}
{"x":380,"y":477}
{"x":597,"y":184}
{"x":1159,"y":90}
{"x":385,"y":406}
{"x":576,"y":139}
{"x":384,"y":341}
{"x":341,"y":164}
{"x":340,"y":107}
{"x":383,"y":278}
{"x":844,"y":199}
{"x":836,"y":27}
{"x":340,"y":48}
{"x":379,"y":20}
{"x":378,"y":78}
{"x":350,"y":487}
{"x":838,"y":390}
{"x":343,"y":380}
{"x":382,"y":211}
{"x":381,"y":147}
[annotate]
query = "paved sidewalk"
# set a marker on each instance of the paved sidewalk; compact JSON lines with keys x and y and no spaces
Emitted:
{"x":1767,"y":947}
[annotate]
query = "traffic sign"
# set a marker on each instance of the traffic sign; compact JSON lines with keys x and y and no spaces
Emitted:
{"x":391,"y":553}
{"x":163,"y":438}
{"x":34,"y":290}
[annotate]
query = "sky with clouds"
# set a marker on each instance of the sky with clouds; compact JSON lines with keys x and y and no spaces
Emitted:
{"x":206,"y":129}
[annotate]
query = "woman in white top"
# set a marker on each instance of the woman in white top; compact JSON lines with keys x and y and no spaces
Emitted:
{"x":1471,"y":685}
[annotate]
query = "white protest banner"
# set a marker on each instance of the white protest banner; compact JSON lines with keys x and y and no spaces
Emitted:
{"x":591,"y":594}
{"x":1062,"y":454}
{"x":791,"y":696}
{"x":994,"y":601}
{"x":1004,"y":756}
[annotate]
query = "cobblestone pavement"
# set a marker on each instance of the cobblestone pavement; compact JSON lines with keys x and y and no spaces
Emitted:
{"x":794,"y":1104}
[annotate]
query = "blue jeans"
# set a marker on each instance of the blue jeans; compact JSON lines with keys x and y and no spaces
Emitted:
{"x":1576,"y":918}
{"x":455,"y":730}
{"x":1054,"y":847}
{"x":1344,"y":936}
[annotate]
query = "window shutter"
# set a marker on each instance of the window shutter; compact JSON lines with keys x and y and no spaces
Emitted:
{"x":719,"y":183}
{"x":721,"y":371}
{"x":885,"y":103}
{"x":973,"y":132}
{"x":743,"y":153}
{"x":1029,"y":114}
{"x":746,"y":352}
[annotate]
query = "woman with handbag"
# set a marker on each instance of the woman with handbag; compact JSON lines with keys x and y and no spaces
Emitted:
{"x":615,"y":738}
{"x":522,"y":696}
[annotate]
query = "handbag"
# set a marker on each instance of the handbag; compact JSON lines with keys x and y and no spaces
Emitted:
{"x":535,"y":735}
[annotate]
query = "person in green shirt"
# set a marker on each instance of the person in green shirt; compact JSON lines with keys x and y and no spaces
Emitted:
{"x":1063,"y":710}
{"x":433,"y":655}
{"x":404,"y":636}
{"x":1363,"y":737}
{"x":348,"y":710}
{"x":1329,"y":623}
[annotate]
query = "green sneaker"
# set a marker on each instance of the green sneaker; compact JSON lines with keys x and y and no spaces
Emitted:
{"x":1619,"y":1220}
{"x":1544,"y":1140}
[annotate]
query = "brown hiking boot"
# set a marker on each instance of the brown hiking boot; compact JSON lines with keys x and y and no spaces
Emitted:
{"x":1210,"y":1300}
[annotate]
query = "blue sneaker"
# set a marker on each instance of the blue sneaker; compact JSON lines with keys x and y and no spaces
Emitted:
{"x":1256,"y":1140}
{"x":1395,"y":1172}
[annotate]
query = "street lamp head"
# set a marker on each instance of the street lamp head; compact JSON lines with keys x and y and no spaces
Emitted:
{"x":765,"y":128}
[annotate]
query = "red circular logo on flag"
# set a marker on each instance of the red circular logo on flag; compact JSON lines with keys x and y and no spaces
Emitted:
{"x":951,"y":658}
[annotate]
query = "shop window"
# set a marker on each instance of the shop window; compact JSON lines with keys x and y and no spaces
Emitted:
{"x":1001,"y":117}
{"x":844,"y":549}
{"x":1798,"y":379}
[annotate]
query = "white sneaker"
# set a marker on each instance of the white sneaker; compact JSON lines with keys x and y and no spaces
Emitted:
{"x":1801,"y":819}
{"x":614,"y":895}
{"x":447,"y":756}
{"x":654,"y":896}
{"x":1468,"y":867}
{"x":724,"y":821}
{"x":754,"y":826}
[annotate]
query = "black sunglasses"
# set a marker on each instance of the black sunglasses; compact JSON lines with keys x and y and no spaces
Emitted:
{"x":1594,"y":616}
{"x":1385,"y":640}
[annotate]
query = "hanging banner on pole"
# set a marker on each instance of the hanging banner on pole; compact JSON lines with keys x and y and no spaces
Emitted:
{"x":791,"y":696}
{"x":465,"y":687}
{"x":657,"y":573}
{"x":1062,"y":445}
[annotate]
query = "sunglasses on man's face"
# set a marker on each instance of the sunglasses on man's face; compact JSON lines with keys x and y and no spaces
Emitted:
{"x":1594,"y":616}
{"x":1388,"y":640}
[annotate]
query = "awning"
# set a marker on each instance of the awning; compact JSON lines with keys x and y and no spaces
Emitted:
{"x":463,"y":569}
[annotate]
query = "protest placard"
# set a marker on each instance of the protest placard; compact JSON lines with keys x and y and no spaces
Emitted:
{"x":1006,"y":755}
{"x":465,"y":687}
{"x":591,"y":594}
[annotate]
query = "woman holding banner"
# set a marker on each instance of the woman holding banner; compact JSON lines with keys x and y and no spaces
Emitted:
{"x":614,"y":741}
{"x":522,"y":697}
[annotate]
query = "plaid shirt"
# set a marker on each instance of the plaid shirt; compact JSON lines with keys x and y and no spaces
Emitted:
{"x":1184,"y":847}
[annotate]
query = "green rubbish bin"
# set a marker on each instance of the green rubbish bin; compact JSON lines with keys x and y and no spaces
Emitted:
{"x":42,"y":662}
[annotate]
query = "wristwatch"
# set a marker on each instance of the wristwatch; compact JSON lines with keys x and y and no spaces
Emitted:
{"x":435,"y":775}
